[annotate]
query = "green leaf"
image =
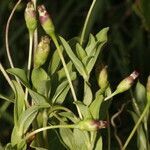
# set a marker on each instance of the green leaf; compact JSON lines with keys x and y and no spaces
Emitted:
{"x":99,"y":144}
{"x":20,"y":73}
{"x":91,"y":45}
{"x":95,"y":105}
{"x":62,"y":90}
{"x":102,"y":35}
{"x":81,"y":139}
{"x":62,"y":74}
{"x":84,"y":110}
{"x":38,"y":98}
{"x":140,"y":94}
{"x":78,"y":64}
{"x":19,"y":106}
{"x":68,"y":138}
{"x":92,"y":61}
{"x":80,"y":52}
{"x":141,"y":134}
{"x":27,"y":117}
{"x":88,"y":96}
{"x":40,"y":81}
{"x":9,"y":99}
{"x":55,"y":62}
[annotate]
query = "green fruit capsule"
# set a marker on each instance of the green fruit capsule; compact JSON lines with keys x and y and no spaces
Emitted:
{"x":92,"y":125}
{"x":126,"y":83}
{"x":103,"y":78}
{"x":46,"y":21}
{"x":30,"y":17}
{"x":42,"y":52}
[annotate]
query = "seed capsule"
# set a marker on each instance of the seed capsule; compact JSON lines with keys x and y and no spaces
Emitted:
{"x":45,"y":20}
{"x":30,"y":17}
{"x":126,"y":83}
{"x":42,"y":52}
{"x":92,"y":125}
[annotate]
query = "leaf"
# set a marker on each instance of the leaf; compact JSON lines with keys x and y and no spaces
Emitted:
{"x":88,"y":96}
{"x":141,"y":134}
{"x":92,"y":61}
{"x":62,"y":90}
{"x":38,"y":98}
{"x":9,"y":99}
{"x":99,"y":144}
{"x":140,"y":93}
{"x":68,"y":138}
{"x":80,"y":52}
{"x":102,"y":35}
{"x":91,"y":45}
{"x":20,"y":73}
{"x":95,"y":105}
{"x":40,"y":81}
{"x":62,"y":74}
{"x":55,"y":62}
{"x":78,"y":64}
{"x":81,"y":139}
{"x":27,"y":117}
{"x":19,"y":106}
{"x":84,"y":110}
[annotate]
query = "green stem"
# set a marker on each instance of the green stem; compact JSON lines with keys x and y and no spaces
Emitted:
{"x":113,"y":94}
{"x":66,"y":71}
{"x":29,"y":63}
{"x":6,"y":34}
{"x":108,"y":132}
{"x":6,"y":77}
{"x":48,"y":128}
{"x":86,"y":22}
{"x":136,"y":126}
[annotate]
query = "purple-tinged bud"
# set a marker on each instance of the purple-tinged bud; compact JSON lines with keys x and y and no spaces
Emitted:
{"x":42,"y":52}
{"x":46,"y":21}
{"x":92,"y":125}
{"x":30,"y":17}
{"x":126,"y":83}
{"x":103,"y":78}
{"x":148,"y":89}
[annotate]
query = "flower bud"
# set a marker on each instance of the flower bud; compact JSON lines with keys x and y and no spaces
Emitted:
{"x":45,"y":20}
{"x":92,"y":125}
{"x":148,"y":89}
{"x":30,"y":17}
{"x":126,"y":83}
{"x":42,"y":52}
{"x":103,"y":78}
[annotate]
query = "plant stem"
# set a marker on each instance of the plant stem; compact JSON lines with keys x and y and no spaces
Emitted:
{"x":6,"y":34}
{"x":29,"y":63}
{"x":7,"y":77}
{"x":113,"y":94}
{"x":86,"y":22}
{"x":47,"y":128}
{"x":66,"y":71}
{"x":136,"y":126}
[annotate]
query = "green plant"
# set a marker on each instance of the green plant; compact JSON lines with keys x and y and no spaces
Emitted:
{"x":40,"y":93}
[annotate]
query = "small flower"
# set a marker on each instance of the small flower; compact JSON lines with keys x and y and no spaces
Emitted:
{"x":126,"y":83}
{"x":30,"y":17}
{"x":103,"y":78}
{"x":148,"y":89}
{"x":42,"y":52}
{"x":92,"y":125}
{"x":45,"y":20}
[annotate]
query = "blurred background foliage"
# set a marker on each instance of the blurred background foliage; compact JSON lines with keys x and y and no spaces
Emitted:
{"x":128,"y":47}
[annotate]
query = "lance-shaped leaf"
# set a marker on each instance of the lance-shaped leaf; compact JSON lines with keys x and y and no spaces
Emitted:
{"x":78,"y":64}
{"x":19,"y":105}
{"x":21,"y":74}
